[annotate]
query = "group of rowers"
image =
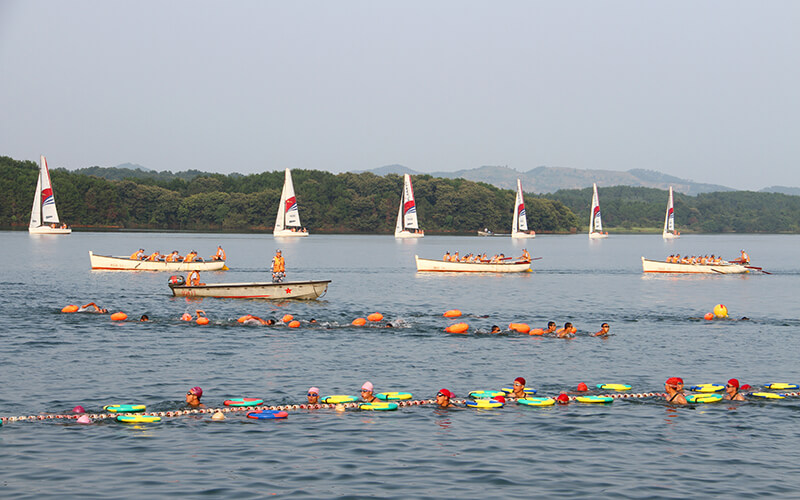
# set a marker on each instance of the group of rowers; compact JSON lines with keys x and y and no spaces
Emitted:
{"x":175,"y":257}
{"x":706,"y":260}
{"x":484,"y":259}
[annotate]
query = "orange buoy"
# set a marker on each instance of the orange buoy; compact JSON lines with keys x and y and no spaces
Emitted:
{"x":536,"y":331}
{"x":244,"y":318}
{"x":294,"y":324}
{"x":70,"y":309}
{"x":119,"y":316}
{"x":287,"y":318}
{"x":519,"y":327}
{"x":186,"y":317}
{"x":202,"y":320}
{"x":375,"y":317}
{"x":452,"y":313}
{"x":709,"y":316}
{"x":359,"y":322}
{"x":457,"y":328}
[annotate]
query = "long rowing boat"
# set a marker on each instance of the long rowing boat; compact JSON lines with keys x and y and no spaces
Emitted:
{"x":112,"y":263}
{"x":471,"y":267}
{"x":659,"y":266}
{"x":285,"y":290}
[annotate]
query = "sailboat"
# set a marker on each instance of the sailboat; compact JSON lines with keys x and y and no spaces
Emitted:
{"x":669,"y":220}
{"x":407,"y":226}
{"x":288,"y":221}
{"x":519,"y":226}
{"x":595,"y":222}
{"x":44,"y":216}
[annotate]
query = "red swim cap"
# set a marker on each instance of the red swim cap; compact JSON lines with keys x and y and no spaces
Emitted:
{"x":733,"y":382}
{"x":674,"y":381}
{"x":499,"y":398}
{"x":745,"y":387}
{"x":196,"y":391}
{"x":520,"y":380}
{"x":447,"y":393}
{"x":562,"y":398}
{"x":582,"y":387}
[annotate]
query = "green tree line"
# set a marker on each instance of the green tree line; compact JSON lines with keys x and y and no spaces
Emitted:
{"x":328,"y":202}
{"x":626,"y":208}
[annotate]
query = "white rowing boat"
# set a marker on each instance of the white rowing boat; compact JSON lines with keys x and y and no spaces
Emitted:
{"x":471,"y":267}
{"x":111,"y":263}
{"x":285,"y":290}
{"x":659,"y":266}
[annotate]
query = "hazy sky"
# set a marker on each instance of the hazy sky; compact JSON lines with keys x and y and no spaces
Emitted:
{"x":704,"y":90}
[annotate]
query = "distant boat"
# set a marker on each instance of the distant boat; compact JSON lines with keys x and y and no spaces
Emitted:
{"x":44,"y":216}
{"x":595,"y":221}
{"x":669,"y":220}
{"x":407,"y":225}
{"x":658,"y":266}
{"x":519,"y":226}
{"x":288,"y":221}
{"x":486,"y":232}
{"x":122,"y":263}
{"x":433,"y":265}
{"x":308,"y":290}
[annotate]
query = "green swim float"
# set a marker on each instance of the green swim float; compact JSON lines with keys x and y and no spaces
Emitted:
{"x":138,"y":419}
{"x":485,"y":394}
{"x":378,"y":406}
{"x":393,"y":396}
{"x":782,"y":386}
{"x":707,"y":388}
{"x":704,"y":398}
{"x":614,"y":387}
{"x":594,"y":399}
{"x":124,"y":408}
{"x":509,"y":390}
{"x":339,"y":398}
{"x":536,"y":401}
{"x":767,"y":395}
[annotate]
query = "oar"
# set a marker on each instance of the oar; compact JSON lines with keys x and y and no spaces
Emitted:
{"x":717,"y":271}
{"x":757,"y":269}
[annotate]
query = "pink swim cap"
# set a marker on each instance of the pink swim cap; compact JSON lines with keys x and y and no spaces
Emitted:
{"x":367,"y":386}
{"x":196,"y":391}
{"x":314,"y":390}
{"x":78,"y":409}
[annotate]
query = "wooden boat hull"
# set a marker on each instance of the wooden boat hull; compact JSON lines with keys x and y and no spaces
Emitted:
{"x":658,"y":266}
{"x":430,"y":265}
{"x":287,"y":233}
{"x":49,"y":230}
{"x":110,"y":263}
{"x":308,"y":290}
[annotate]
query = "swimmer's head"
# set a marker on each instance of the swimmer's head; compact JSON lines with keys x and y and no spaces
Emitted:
{"x":501,"y":399}
{"x":78,"y":409}
{"x":144,"y":318}
{"x":674,"y":382}
{"x":733,"y":383}
{"x":495,"y":329}
{"x":313,"y":391}
{"x":562,"y":399}
{"x":582,"y":387}
{"x":196,"y":391}
{"x":519,"y":381}
{"x":445,"y":393}
{"x":551,"y":324}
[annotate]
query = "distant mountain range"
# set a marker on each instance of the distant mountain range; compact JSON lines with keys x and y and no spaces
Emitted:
{"x":538,"y":180}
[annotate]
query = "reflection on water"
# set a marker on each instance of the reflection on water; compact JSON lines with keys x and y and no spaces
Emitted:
{"x":53,"y":361}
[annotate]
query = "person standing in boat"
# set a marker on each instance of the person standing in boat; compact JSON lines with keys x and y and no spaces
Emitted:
{"x":278,"y":268}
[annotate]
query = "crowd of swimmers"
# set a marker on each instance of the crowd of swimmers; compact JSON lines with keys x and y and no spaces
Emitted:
{"x":706,"y":260}
{"x":674,"y":394}
{"x":192,"y":256}
{"x":485,"y":259}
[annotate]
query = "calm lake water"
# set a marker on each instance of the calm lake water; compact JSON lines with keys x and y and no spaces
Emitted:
{"x":639,"y":448}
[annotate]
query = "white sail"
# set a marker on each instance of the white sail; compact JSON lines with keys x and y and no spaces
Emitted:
{"x":595,"y":221}
{"x":407,"y":224}
{"x":44,"y":216}
{"x":669,"y":219}
{"x":519,"y":225}
{"x":287,"y":223}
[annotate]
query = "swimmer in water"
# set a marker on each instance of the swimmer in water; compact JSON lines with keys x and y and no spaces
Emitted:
{"x":732,"y":391}
{"x":567,"y":332}
{"x":94,"y":308}
{"x":495,"y":329}
{"x":443,"y":399}
{"x":388,"y":325}
{"x":366,"y":393}
{"x":603,"y":330}
{"x":267,"y":322}
{"x":674,"y":391}
{"x":551,"y":327}
{"x":144,"y":318}
{"x":193,"y":397}
{"x":519,"y":388}
{"x":313,"y":395}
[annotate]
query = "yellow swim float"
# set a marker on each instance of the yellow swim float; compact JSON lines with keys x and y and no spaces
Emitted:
{"x":484,"y":403}
{"x":339,"y":398}
{"x":768,"y":395}
{"x":138,"y":419}
{"x":614,"y":387}
{"x":536,"y":401}
{"x":782,"y":386}
{"x":703,"y":398}
{"x":707,"y":388}
{"x":394,"y":396}
{"x":594,"y":399}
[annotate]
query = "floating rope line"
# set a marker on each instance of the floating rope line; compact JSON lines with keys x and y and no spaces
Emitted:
{"x":305,"y":406}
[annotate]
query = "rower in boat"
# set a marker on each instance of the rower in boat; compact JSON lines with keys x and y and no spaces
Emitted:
{"x":220,"y":255}
{"x":155,"y":256}
{"x":139,"y":255}
{"x":446,"y":257}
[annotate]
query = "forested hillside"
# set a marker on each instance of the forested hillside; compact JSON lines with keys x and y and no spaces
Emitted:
{"x":629,"y":208}
{"x":328,"y":203}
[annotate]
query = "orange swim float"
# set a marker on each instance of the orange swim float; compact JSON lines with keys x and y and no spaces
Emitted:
{"x":287,"y":318}
{"x":294,"y":324}
{"x":452,"y":313}
{"x":375,"y":317}
{"x":519,"y":327}
{"x":70,"y":309}
{"x":536,"y":331}
{"x":457,"y":328}
{"x":359,"y":322}
{"x":186,"y":317}
{"x":202,"y":320}
{"x":119,"y":316}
